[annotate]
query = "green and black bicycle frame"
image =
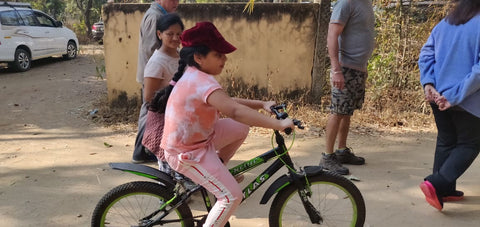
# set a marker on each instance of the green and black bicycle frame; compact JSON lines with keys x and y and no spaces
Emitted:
{"x":167,"y":181}
{"x":297,"y":178}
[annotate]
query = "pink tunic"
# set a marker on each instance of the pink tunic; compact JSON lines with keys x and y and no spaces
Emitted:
{"x":189,"y":120}
{"x":194,"y":138}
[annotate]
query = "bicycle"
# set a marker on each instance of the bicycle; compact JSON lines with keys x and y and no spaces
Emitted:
{"x":304,"y":196}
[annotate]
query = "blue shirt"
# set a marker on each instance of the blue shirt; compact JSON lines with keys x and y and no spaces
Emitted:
{"x":450,"y":60}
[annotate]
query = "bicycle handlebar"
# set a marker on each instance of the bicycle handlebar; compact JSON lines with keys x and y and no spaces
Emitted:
{"x":280,"y":113}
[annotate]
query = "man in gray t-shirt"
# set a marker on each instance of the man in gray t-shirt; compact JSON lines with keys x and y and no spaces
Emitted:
{"x":350,"y":43}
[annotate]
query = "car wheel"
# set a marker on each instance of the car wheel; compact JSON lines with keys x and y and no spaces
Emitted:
{"x":22,"y":60}
{"x":71,"y":51}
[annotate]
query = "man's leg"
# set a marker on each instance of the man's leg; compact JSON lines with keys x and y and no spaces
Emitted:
{"x":355,"y":95}
{"x":328,"y":160}
{"x":343,"y":131}
{"x":344,"y":153}
{"x":332,"y":129}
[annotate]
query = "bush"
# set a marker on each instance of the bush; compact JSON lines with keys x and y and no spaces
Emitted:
{"x":393,"y":71}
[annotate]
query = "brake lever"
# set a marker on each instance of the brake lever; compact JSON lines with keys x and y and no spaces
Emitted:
{"x":298,"y":124}
{"x":283,"y":115}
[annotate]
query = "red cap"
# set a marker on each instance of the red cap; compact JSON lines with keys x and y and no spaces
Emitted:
{"x":205,"y":33}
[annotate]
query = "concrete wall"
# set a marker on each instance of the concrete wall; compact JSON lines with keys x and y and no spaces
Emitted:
{"x":281,"y":48}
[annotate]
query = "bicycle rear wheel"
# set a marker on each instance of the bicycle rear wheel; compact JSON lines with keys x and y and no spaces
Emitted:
{"x":336,"y":198}
{"x":130,"y":203}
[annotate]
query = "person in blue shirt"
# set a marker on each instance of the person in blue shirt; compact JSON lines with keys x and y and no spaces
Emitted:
{"x":449,"y":66}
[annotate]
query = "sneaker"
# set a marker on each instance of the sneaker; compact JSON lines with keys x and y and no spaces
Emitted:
{"x":455,"y":196}
{"x":144,"y":158}
{"x":346,"y":156}
{"x":189,"y":184}
{"x":431,"y":195}
{"x":330,"y":162}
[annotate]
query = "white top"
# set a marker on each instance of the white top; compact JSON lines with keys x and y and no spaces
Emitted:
{"x":161,"y":66}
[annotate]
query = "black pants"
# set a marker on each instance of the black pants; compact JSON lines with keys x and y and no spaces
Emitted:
{"x":139,"y":152}
{"x":458,"y":144}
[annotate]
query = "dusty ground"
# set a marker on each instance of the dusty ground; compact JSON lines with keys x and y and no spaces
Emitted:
{"x":53,"y":157}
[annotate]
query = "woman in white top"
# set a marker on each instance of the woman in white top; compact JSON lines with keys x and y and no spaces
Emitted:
{"x":164,"y":61}
{"x":158,"y":73}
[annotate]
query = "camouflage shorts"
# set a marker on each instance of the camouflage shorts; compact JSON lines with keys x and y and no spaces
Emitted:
{"x":351,"y":97}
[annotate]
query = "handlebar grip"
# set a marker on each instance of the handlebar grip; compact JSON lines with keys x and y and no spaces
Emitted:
{"x":288,"y":131}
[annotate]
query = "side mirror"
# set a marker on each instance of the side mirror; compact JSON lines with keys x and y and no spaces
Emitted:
{"x":58,"y":24}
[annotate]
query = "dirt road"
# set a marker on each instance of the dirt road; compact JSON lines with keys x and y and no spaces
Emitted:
{"x":53,"y":158}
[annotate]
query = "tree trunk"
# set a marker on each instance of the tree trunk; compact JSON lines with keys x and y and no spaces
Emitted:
{"x":86,"y":11}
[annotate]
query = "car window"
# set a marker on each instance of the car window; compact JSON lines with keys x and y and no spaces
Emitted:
{"x":9,"y":18}
{"x":44,"y":20}
{"x":28,"y":18}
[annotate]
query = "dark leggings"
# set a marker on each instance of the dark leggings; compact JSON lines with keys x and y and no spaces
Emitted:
{"x":458,"y":144}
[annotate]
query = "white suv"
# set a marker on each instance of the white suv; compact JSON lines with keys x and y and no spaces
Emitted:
{"x":27,"y":34}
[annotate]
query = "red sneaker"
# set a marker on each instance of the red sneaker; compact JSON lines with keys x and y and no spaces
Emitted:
{"x":431,"y":195}
{"x":456,"y":196}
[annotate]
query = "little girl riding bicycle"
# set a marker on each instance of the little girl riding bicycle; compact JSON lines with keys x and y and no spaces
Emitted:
{"x":197,"y":143}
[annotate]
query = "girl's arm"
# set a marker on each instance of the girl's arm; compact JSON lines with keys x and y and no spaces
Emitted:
{"x":244,"y":114}
{"x":256,"y":104}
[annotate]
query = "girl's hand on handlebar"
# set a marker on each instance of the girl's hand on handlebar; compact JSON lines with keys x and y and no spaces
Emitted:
{"x":267,"y":105}
{"x":287,"y":123}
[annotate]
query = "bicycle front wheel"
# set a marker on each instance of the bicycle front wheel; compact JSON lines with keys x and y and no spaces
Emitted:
{"x":132,"y":203}
{"x":336,"y":198}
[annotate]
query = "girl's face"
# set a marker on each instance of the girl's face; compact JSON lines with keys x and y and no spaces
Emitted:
{"x":171,"y":37}
{"x":212,"y":63}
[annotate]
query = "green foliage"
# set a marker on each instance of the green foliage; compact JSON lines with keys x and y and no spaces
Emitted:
{"x":216,"y":1}
{"x":54,"y":8}
{"x":393,"y":70}
{"x":71,"y":11}
{"x":80,"y":28}
{"x":100,"y":68}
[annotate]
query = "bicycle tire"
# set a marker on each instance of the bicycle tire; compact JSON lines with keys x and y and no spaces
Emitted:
{"x":338,"y":200}
{"x":126,"y":204}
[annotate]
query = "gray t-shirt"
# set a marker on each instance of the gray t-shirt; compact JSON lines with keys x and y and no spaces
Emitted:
{"x":357,"y":40}
{"x":148,"y":42}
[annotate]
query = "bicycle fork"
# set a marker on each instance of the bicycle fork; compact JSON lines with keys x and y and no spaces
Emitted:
{"x":301,"y":182}
{"x":304,"y":191}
